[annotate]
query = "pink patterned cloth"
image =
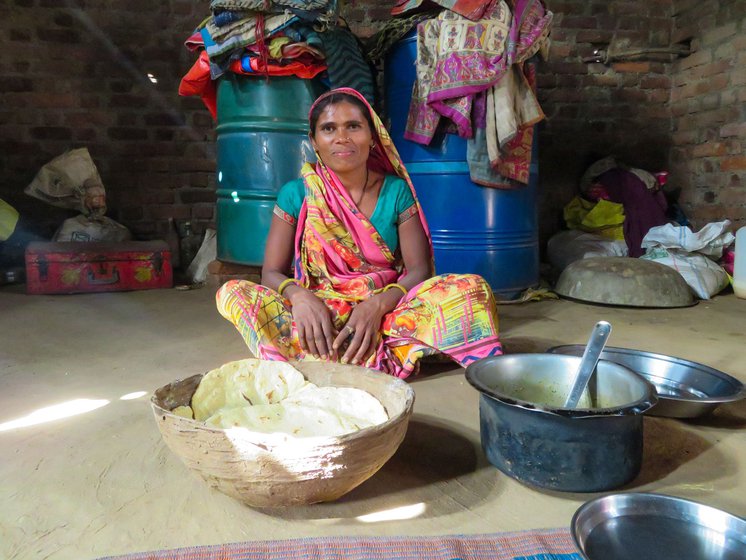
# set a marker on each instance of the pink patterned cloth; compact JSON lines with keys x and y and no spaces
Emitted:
{"x":458,"y":58}
{"x":337,"y":248}
{"x":529,"y":30}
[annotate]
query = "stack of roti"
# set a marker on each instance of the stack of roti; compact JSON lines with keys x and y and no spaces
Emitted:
{"x":271,"y":397}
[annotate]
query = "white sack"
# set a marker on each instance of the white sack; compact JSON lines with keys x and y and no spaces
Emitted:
{"x":197,"y":270}
{"x":64,"y":182}
{"x":704,"y":276}
{"x":710,"y":240}
{"x":572,"y":245}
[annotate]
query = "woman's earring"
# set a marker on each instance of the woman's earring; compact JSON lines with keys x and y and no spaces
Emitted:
{"x":373,"y":145}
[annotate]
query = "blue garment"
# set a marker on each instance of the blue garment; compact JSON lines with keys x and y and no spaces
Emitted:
{"x":224,"y":18}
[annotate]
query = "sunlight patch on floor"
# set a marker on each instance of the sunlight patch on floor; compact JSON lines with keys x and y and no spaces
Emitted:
{"x":54,"y":412}
{"x":394,"y":514}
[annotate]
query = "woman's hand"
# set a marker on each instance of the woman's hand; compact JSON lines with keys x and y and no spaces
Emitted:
{"x":313,"y":320}
{"x":363,"y":325}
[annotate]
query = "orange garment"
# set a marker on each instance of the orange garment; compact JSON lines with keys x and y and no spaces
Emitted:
{"x":199,"y":82}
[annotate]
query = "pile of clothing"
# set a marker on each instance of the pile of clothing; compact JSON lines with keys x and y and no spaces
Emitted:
{"x":637,"y":194}
{"x":616,"y":207}
{"x":623,"y":211}
{"x":274,"y":38}
{"x":473,"y":80}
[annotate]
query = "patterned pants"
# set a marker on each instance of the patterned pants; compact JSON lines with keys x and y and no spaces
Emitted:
{"x":452,"y":314}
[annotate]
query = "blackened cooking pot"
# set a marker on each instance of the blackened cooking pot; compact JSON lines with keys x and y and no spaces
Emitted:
{"x":527,"y":434}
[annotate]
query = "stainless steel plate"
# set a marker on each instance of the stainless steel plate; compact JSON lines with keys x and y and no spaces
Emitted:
{"x":637,"y":526}
{"x":685,"y":389}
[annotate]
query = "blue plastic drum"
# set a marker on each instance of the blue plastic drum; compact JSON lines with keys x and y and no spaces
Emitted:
{"x":475,"y":229}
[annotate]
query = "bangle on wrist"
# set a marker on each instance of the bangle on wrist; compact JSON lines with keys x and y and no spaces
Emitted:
{"x":285,"y":283}
{"x":394,"y":285}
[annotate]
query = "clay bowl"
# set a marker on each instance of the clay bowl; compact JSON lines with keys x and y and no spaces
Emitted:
{"x":275,"y":470}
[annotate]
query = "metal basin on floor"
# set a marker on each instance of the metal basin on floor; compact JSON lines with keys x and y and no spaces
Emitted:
{"x":639,"y":526}
{"x":624,"y":281}
{"x":685,"y":389}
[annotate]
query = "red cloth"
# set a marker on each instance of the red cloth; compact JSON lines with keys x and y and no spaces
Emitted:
{"x":470,"y":9}
{"x":195,"y":42}
{"x":295,"y":68}
{"x":199,"y":82}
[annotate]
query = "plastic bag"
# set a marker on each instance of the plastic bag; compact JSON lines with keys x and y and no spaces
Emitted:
{"x":692,"y":254}
{"x":710,"y":240}
{"x":567,"y":247}
{"x":70,"y":180}
{"x":8,"y":220}
{"x":604,"y":218}
{"x":704,"y":276}
{"x":92,"y":228}
{"x":197,"y":269}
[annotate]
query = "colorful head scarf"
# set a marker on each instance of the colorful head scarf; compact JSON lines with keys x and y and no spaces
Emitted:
{"x":338,"y":251}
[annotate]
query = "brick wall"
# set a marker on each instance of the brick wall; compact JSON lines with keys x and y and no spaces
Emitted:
{"x":708,"y":102}
{"x":74,"y":74}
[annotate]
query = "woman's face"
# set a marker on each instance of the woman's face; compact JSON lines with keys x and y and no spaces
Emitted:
{"x":343,"y":137}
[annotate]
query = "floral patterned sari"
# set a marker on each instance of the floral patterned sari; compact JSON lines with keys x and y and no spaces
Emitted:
{"x":341,"y":257}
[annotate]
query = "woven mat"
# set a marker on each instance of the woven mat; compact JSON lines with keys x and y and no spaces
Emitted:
{"x":549,"y":544}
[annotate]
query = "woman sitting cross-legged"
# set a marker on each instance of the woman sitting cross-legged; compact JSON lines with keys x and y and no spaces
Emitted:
{"x":363,"y":290}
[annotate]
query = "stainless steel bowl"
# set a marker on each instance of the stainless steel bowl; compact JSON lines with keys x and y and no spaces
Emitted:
{"x":685,"y":389}
{"x":543,"y":381}
{"x":639,"y":526}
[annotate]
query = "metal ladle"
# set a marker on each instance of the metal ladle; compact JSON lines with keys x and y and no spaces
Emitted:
{"x":596,"y":343}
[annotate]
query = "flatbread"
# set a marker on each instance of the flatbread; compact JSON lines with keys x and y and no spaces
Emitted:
{"x":245,"y":382}
{"x":274,"y":397}
{"x":273,"y":382}
{"x":287,"y":418}
{"x":354,"y":406}
{"x":183,"y":411}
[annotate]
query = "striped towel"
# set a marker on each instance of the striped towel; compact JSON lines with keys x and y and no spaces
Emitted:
{"x":347,"y":67}
{"x":546,"y":544}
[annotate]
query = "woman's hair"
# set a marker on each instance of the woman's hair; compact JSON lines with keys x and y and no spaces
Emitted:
{"x":333,"y":99}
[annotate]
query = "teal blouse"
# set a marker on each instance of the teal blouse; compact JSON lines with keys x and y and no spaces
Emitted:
{"x":395,"y":205}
